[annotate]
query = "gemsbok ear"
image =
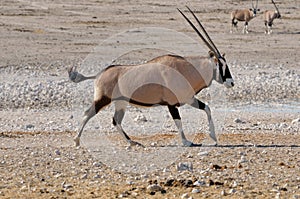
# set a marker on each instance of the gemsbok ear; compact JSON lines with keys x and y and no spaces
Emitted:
{"x":250,"y":9}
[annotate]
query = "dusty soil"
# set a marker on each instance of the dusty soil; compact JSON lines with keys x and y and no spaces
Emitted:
{"x":259,"y":146}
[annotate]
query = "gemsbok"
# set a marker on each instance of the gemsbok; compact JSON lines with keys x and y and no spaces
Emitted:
{"x":243,"y":15}
{"x":168,"y":80}
{"x":269,"y":16}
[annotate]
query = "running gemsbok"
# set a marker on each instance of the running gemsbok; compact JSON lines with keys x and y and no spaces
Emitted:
{"x":269,"y":16}
{"x":168,"y":80}
{"x":243,"y":15}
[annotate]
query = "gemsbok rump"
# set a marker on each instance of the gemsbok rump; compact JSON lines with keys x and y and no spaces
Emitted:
{"x":269,"y":16}
{"x":168,"y":80}
{"x":243,"y":15}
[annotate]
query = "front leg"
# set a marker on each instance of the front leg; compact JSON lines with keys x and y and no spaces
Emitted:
{"x":200,"y":105}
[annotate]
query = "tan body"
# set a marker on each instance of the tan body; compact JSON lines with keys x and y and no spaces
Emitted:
{"x":164,"y":80}
{"x":242,"y":15}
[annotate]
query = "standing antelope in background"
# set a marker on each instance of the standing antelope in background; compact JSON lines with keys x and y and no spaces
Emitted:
{"x":269,"y":16}
{"x":243,"y":15}
{"x":168,"y":80}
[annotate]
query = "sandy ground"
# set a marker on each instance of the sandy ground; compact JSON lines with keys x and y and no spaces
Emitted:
{"x":258,"y":152}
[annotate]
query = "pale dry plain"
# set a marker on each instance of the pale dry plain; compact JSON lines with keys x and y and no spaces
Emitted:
{"x":257,"y":121}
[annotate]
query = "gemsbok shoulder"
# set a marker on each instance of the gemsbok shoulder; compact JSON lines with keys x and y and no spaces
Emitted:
{"x":243,"y":15}
{"x":269,"y":16}
{"x":168,"y":80}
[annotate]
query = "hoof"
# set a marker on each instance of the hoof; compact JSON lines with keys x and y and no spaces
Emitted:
{"x":77,"y":141}
{"x":187,"y":143}
{"x":213,"y":136}
{"x":133,"y":143}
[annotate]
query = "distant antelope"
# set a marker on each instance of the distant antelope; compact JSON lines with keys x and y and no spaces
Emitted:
{"x":243,"y":15}
{"x":269,"y":16}
{"x":168,"y":80}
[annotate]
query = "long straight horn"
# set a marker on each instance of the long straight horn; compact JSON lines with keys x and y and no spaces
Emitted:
{"x":197,"y":31}
{"x":275,"y":6}
{"x":252,"y":4}
{"x":207,"y":36}
{"x":256,"y":4}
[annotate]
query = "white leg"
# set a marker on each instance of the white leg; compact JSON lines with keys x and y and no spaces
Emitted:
{"x":185,"y":142}
{"x":211,"y":126}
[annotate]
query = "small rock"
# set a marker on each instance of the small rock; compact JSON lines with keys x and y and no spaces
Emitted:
{"x":169,"y":182}
{"x":231,"y":191}
{"x":140,"y":118}
{"x":239,"y":121}
{"x":153,"y":144}
{"x":185,"y":166}
{"x":57,"y":152}
{"x":195,"y":190}
{"x":96,"y":164}
{"x":234,"y":184}
{"x":29,"y":126}
{"x":296,"y":121}
{"x":223,"y":193}
{"x":185,"y":195}
{"x":199,"y":183}
{"x":67,"y":186}
{"x":96,"y":176}
{"x":154,"y":188}
{"x":188,"y":183}
{"x":124,"y":195}
{"x":243,"y":159}
{"x":84,"y":176}
{"x":283,"y":126}
{"x":203,"y":153}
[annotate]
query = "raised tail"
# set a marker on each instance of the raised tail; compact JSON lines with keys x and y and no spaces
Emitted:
{"x":76,"y":77}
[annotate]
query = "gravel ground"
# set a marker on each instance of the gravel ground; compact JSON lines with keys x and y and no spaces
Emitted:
{"x":257,"y":121}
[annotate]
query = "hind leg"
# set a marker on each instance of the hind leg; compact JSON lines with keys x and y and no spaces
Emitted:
{"x":120,"y":107}
{"x":91,"y":112}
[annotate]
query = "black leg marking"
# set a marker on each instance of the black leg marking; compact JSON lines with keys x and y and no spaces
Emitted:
{"x":198,"y":104}
{"x":174,"y":112}
{"x":177,"y":119}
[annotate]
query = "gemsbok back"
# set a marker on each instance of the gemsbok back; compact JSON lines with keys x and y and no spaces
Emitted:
{"x":167,"y":80}
{"x":243,"y":15}
{"x":269,"y":16}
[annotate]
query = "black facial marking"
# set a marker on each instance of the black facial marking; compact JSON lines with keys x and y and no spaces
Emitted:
{"x":227,"y":72}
